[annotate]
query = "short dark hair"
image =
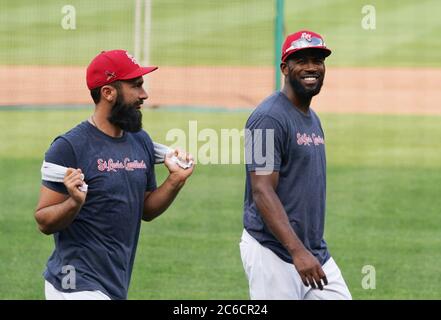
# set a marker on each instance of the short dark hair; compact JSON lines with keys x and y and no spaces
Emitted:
{"x":96,"y":92}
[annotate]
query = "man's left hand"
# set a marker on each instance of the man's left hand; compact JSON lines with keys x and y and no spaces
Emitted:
{"x":174,"y":168}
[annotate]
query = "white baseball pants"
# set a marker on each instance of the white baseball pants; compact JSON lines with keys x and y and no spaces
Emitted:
{"x":54,"y":294}
{"x":271,"y":278}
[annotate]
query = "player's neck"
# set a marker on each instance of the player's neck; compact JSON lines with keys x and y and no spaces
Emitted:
{"x":299,"y":102}
{"x":99,"y":120}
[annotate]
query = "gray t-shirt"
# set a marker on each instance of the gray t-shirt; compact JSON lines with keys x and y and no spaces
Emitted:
{"x":299,"y":156}
{"x":100,"y":244}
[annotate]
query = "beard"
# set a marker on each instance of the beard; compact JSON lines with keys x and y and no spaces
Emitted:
{"x":125,"y":115}
{"x":305,"y":92}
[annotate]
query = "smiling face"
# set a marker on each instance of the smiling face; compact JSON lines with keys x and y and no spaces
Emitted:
{"x":304,"y":71}
{"x":125,"y":113}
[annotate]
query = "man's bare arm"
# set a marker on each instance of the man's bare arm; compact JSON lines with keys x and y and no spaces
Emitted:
{"x":273,"y":213}
{"x":55,"y":211}
{"x":156,"y":202}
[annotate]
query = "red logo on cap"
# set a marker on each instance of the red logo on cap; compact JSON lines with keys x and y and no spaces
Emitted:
{"x":131,"y":58}
{"x":110,"y":75}
{"x":307,"y":36}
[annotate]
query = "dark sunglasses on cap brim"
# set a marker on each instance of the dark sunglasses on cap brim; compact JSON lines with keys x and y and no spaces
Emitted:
{"x":304,"y":43}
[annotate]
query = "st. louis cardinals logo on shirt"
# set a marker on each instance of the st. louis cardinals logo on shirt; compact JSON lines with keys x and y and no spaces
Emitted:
{"x":113,"y":166}
{"x":307,"y":140}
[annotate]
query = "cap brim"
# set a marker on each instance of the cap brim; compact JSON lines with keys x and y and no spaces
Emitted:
{"x":138,"y":73}
{"x":326,"y":51}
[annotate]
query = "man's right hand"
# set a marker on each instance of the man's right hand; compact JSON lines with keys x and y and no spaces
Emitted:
{"x":309,"y":269}
{"x":73,"y":179}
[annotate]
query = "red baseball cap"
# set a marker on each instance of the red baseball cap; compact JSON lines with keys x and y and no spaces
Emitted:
{"x":113,"y":65}
{"x":301,"y":40}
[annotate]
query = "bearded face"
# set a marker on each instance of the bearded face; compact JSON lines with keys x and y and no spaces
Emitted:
{"x":306,"y":72}
{"x":307,"y":85}
{"x":126,"y":115}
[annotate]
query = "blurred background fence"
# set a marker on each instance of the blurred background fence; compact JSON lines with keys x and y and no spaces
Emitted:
{"x":221,"y":53}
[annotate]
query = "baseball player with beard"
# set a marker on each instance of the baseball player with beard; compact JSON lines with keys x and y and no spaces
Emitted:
{"x":282,"y":247}
{"x":96,"y":229}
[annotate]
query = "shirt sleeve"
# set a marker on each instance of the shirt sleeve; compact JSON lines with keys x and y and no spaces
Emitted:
{"x":151,"y":176}
{"x":151,"y":179}
{"x":264,"y":147}
{"x":60,"y":152}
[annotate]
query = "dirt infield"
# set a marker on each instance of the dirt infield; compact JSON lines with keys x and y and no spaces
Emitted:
{"x":346,"y":90}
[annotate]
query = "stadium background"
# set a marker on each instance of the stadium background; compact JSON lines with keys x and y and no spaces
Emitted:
{"x":379,"y":107}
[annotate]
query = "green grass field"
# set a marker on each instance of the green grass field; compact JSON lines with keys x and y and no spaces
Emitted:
{"x":212,"y":32}
{"x":384,"y":181}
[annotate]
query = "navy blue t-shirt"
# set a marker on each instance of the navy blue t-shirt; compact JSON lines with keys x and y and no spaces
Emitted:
{"x":100,"y":244}
{"x":298,"y":154}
